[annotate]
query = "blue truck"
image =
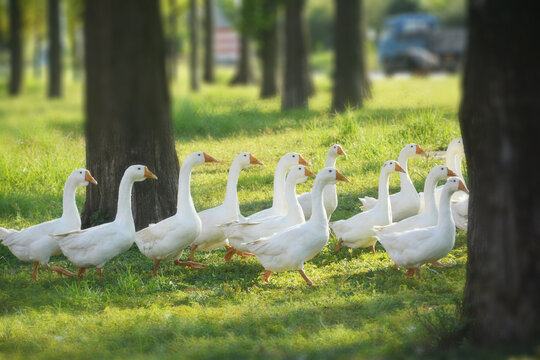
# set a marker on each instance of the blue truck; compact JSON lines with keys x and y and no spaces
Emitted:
{"x":417,"y":43}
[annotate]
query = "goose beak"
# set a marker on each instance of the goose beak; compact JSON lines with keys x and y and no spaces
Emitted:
{"x":340,"y":151}
{"x":303,"y":161}
{"x":208,"y":158}
{"x":419,"y":151}
{"x":451,"y":173}
{"x":399,"y":168}
{"x":341,"y":177}
{"x":88,"y":177}
{"x":462,"y":187}
{"x":254,"y":161}
{"x":309,"y":173}
{"x":148,"y":174}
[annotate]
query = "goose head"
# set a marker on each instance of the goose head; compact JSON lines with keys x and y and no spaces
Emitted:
{"x":299,"y":174}
{"x":246,"y":159}
{"x":411,"y":150}
{"x":454,"y":184}
{"x":456,"y":147}
{"x":139,"y":173}
{"x":199,"y":158}
{"x":330,"y":175}
{"x":390,"y":166}
{"x":336,"y":150}
{"x":82,"y":177}
{"x":291,"y":159}
{"x":441,"y":172}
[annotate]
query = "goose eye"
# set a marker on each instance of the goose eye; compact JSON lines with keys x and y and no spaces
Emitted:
{"x":138,"y":168}
{"x":245,"y":155}
{"x":80,"y":172}
{"x":199,"y":154}
{"x":294,"y":156}
{"x":329,"y":170}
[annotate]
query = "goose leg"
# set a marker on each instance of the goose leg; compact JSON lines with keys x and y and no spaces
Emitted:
{"x":34,"y":273}
{"x":192,"y":252}
{"x":308,"y":281}
{"x":338,"y":246}
{"x":440,"y":265}
{"x":332,"y":236}
{"x":60,"y":270}
{"x":395,"y":266}
{"x":100,"y":273}
{"x":80,"y":273}
{"x":156,"y":264}
{"x":230,"y":252}
{"x":266,"y":275}
{"x":191,"y":264}
{"x":412,"y":272}
{"x":373,"y":248}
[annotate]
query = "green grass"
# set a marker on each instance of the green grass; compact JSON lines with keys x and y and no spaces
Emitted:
{"x":361,"y":307}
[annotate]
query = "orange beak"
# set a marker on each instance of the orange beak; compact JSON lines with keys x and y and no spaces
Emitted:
{"x":309,"y":173}
{"x":208,"y":158}
{"x":399,"y":168}
{"x":303,"y":161}
{"x":462,"y":187}
{"x":88,"y":177}
{"x":341,"y":177}
{"x":340,"y":151}
{"x":253,"y":160}
{"x":451,"y":173}
{"x":148,"y":174}
{"x":419,"y":151}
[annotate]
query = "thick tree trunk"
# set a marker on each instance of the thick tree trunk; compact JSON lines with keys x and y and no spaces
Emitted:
{"x":55,"y":65}
{"x":499,"y":119}
{"x":268,"y":39}
{"x":351,"y":83}
{"x":296,"y":80}
{"x":16,"y":48}
{"x":194,"y":36}
{"x":209,"y":19}
{"x":128,"y":117}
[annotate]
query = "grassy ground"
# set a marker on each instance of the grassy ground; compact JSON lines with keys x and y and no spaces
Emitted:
{"x":361,"y":307}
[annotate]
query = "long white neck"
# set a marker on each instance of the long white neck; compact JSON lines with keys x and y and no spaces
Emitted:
{"x":70,"y":212}
{"x":279,"y":201}
{"x":451,"y":159}
{"x":185,"y":202}
{"x":231,"y":195}
{"x":331,"y":159}
{"x":383,"y":203}
{"x":430,"y":207}
{"x":124,"y":214}
{"x":318,"y":214}
{"x":294,"y":210}
{"x":405,"y":179}
{"x":445,"y":220}
{"x":458,"y":158}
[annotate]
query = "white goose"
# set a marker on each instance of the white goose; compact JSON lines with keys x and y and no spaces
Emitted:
{"x":279,"y":204}
{"x":243,"y":232}
{"x":34,"y":243}
{"x":357,"y":231}
{"x":93,"y":247}
{"x":290,"y":249}
{"x":414,"y":248}
{"x":330,"y":192}
{"x":212,"y":236}
{"x":167,"y":239}
{"x":406,"y":202}
{"x":460,"y":200}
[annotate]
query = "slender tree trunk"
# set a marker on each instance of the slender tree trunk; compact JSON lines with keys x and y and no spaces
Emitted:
{"x":296,"y":79}
{"x":55,"y":58}
{"x":499,"y":119}
{"x":37,"y":56}
{"x":16,"y":48}
{"x":194,"y":55}
{"x":208,"y":75}
{"x":268,"y":40}
{"x":172,"y":42}
{"x":128,"y":117}
{"x":244,"y":69}
{"x":351,"y":83}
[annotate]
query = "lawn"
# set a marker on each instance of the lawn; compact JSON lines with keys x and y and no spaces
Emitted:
{"x":360,"y":306}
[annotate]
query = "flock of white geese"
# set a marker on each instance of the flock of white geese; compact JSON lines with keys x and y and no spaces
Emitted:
{"x":414,"y":228}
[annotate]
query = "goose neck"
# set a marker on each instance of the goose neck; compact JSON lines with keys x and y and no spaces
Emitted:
{"x":279,"y":200}
{"x":384,"y":193}
{"x":445,"y":219}
{"x":70,"y":212}
{"x":185,"y":201}
{"x":458,"y":159}
{"x":429,"y":196}
{"x":405,"y":179}
{"x":318,"y":213}
{"x":231,"y":194}
{"x":294,"y":210}
{"x":331,"y":159}
{"x":123,"y":211}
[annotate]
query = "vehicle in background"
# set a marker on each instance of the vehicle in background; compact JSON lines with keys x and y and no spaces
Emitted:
{"x":417,"y":43}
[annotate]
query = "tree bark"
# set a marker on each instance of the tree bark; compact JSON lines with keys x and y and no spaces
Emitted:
{"x":172,"y":42}
{"x":268,"y":39}
{"x":244,"y":69}
{"x":194,"y":34}
{"x":296,"y":79}
{"x":55,"y":59}
{"x":209,"y":20}
{"x":499,"y":119}
{"x":351,"y":83}
{"x":128,"y":117}
{"x":16,"y":48}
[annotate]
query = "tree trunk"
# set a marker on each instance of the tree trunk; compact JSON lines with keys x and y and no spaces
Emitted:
{"x":16,"y":48}
{"x":244,"y":69}
{"x":208,"y":75}
{"x":268,"y":40}
{"x":55,"y":65}
{"x":128,"y":117}
{"x":499,"y":119}
{"x":194,"y":55}
{"x":296,"y":79}
{"x":351,"y":83}
{"x":172,"y":42}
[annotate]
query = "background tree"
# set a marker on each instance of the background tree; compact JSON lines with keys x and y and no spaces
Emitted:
{"x":296,"y":79}
{"x":194,"y":42}
{"x":128,"y":117}
{"x":74,"y":21}
{"x":351,"y":82}
{"x":499,"y":121}
{"x":209,"y":25}
{"x":268,"y":45}
{"x":172,"y":39}
{"x":244,"y":69}
{"x":55,"y":57}
{"x":15,"y":47}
